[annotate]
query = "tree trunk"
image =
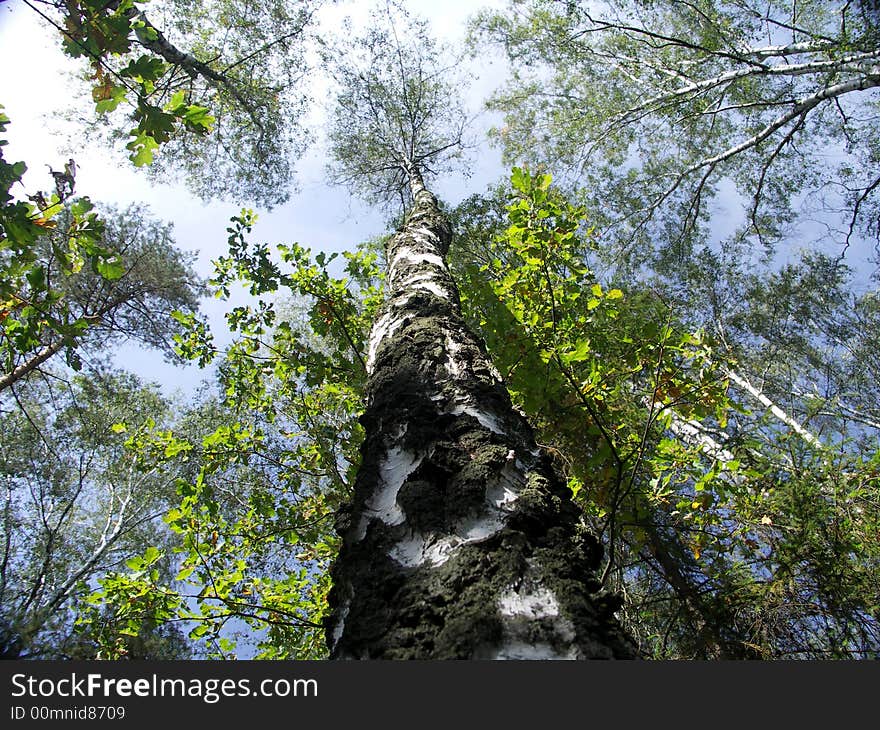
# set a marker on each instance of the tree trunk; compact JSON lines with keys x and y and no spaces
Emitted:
{"x":461,"y":541}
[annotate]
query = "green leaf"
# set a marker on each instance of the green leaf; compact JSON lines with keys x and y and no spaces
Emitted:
{"x":145,"y":33}
{"x":581,"y":351}
{"x":110,"y":268}
{"x":144,"y":68}
{"x":155,"y":123}
{"x":151,"y":555}
{"x":199,"y":631}
{"x":81,"y":206}
{"x":518,"y":179}
{"x":198,"y":119}
{"x":111,"y":100}
{"x":37,"y":277}
{"x":142,"y":148}
{"x":178,"y":100}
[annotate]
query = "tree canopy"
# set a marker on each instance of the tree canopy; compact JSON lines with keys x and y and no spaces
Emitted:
{"x":163,"y":81}
{"x":397,"y":108}
{"x":658,"y":109}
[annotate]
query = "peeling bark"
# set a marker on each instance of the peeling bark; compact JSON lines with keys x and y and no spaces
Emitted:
{"x":462,"y":541}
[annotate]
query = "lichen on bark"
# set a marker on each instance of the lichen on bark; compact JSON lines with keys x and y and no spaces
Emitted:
{"x":461,"y":541}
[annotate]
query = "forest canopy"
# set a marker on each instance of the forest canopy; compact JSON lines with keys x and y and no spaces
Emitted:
{"x":674,"y":278}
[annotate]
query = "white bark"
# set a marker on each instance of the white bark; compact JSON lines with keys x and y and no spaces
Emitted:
{"x":855,"y":63}
{"x":787,"y":419}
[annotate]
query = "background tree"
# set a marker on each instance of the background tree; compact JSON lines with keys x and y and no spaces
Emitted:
{"x":236,"y":70}
{"x":403,"y":106}
{"x":659,"y":107}
{"x":655,"y":112}
{"x":699,"y":498}
{"x":68,"y":303}
{"x":246,"y":64}
{"x":263,"y":465}
{"x":75,"y":505}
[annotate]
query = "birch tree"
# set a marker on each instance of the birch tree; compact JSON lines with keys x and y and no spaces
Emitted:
{"x":659,"y":107}
{"x":710,"y":141}
{"x":461,"y":541}
{"x":75,"y":505}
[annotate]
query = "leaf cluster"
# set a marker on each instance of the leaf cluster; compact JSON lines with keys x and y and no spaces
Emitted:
{"x":264,"y":469}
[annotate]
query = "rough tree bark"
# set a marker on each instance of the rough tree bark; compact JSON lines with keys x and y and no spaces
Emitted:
{"x":461,"y":541}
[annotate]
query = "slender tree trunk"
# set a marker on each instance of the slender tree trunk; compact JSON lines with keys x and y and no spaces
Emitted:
{"x":788,"y":420}
{"x":461,"y":542}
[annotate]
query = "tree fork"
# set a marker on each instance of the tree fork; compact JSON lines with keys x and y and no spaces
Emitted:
{"x":461,"y":541}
